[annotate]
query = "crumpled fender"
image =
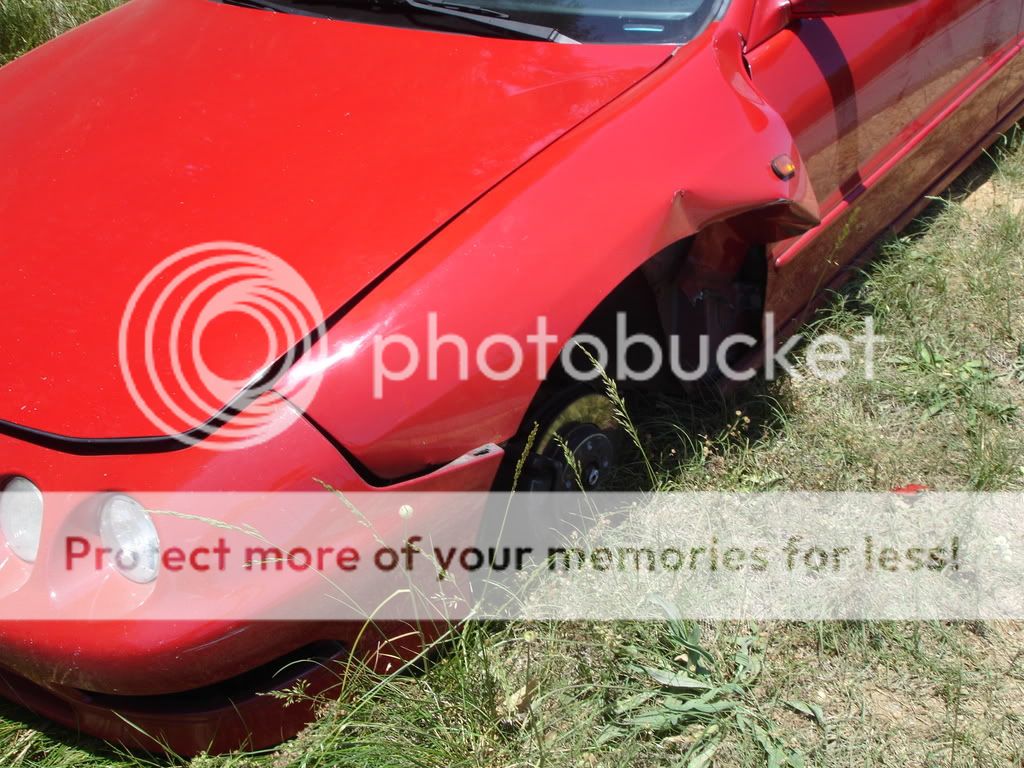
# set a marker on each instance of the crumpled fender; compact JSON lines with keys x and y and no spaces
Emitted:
{"x":689,"y":147}
{"x":746,"y":188}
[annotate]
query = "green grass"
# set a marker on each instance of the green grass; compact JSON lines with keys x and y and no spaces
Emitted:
{"x":944,"y":410}
{"x":25,"y":24}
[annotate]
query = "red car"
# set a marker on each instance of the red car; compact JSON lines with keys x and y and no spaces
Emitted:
{"x":708,"y":167}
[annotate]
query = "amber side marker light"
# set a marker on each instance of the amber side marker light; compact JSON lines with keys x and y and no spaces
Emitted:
{"x":784,"y":167}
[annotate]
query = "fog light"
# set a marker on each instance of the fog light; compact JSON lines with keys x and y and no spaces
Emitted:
{"x":21,"y":517}
{"x":128,"y":531}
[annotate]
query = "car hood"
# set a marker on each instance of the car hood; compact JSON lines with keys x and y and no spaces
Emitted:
{"x":166,"y":124}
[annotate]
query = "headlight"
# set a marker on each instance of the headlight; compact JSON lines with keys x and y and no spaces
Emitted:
{"x":128,"y":531}
{"x":21,"y":517}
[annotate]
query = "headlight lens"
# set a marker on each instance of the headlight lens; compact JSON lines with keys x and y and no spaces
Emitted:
{"x":21,"y":517}
{"x":128,"y":531}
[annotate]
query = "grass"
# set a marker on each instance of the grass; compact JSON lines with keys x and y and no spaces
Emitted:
{"x":25,"y":24}
{"x":944,"y":410}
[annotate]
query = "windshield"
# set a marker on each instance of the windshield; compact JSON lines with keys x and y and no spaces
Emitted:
{"x":584,"y":21}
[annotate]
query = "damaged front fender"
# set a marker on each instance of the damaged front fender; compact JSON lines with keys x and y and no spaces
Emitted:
{"x":688,"y":150}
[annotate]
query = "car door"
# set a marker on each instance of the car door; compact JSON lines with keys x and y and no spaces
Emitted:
{"x":1013,"y":93}
{"x":880,"y":104}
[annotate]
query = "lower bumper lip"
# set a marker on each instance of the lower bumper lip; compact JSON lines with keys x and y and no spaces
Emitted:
{"x":222,"y":717}
{"x":146,"y":659}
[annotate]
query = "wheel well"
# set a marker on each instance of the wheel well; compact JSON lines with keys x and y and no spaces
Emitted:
{"x":712,"y":284}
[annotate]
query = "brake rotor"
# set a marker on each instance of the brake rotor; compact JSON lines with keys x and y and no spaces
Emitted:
{"x":577,"y":448}
{"x":582,"y":459}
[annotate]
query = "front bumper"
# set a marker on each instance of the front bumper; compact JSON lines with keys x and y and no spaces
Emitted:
{"x":187,"y":685}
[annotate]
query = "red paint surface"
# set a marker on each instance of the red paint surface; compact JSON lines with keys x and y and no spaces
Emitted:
{"x":170,"y":123}
{"x":342,"y":148}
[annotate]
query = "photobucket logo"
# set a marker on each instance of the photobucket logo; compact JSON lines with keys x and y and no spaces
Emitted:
{"x":246,"y":304}
{"x":398,"y":357}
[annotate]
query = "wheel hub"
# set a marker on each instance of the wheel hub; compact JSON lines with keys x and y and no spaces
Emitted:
{"x":577,"y":449}
{"x":584,"y":457}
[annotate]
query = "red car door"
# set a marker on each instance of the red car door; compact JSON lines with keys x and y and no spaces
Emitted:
{"x":1014,"y":91}
{"x":880,"y":105}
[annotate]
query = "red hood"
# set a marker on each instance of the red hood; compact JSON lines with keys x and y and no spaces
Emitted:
{"x":168,"y":123}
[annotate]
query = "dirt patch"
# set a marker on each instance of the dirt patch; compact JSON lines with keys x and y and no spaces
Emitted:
{"x":912,"y":709}
{"x":992,"y":195}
